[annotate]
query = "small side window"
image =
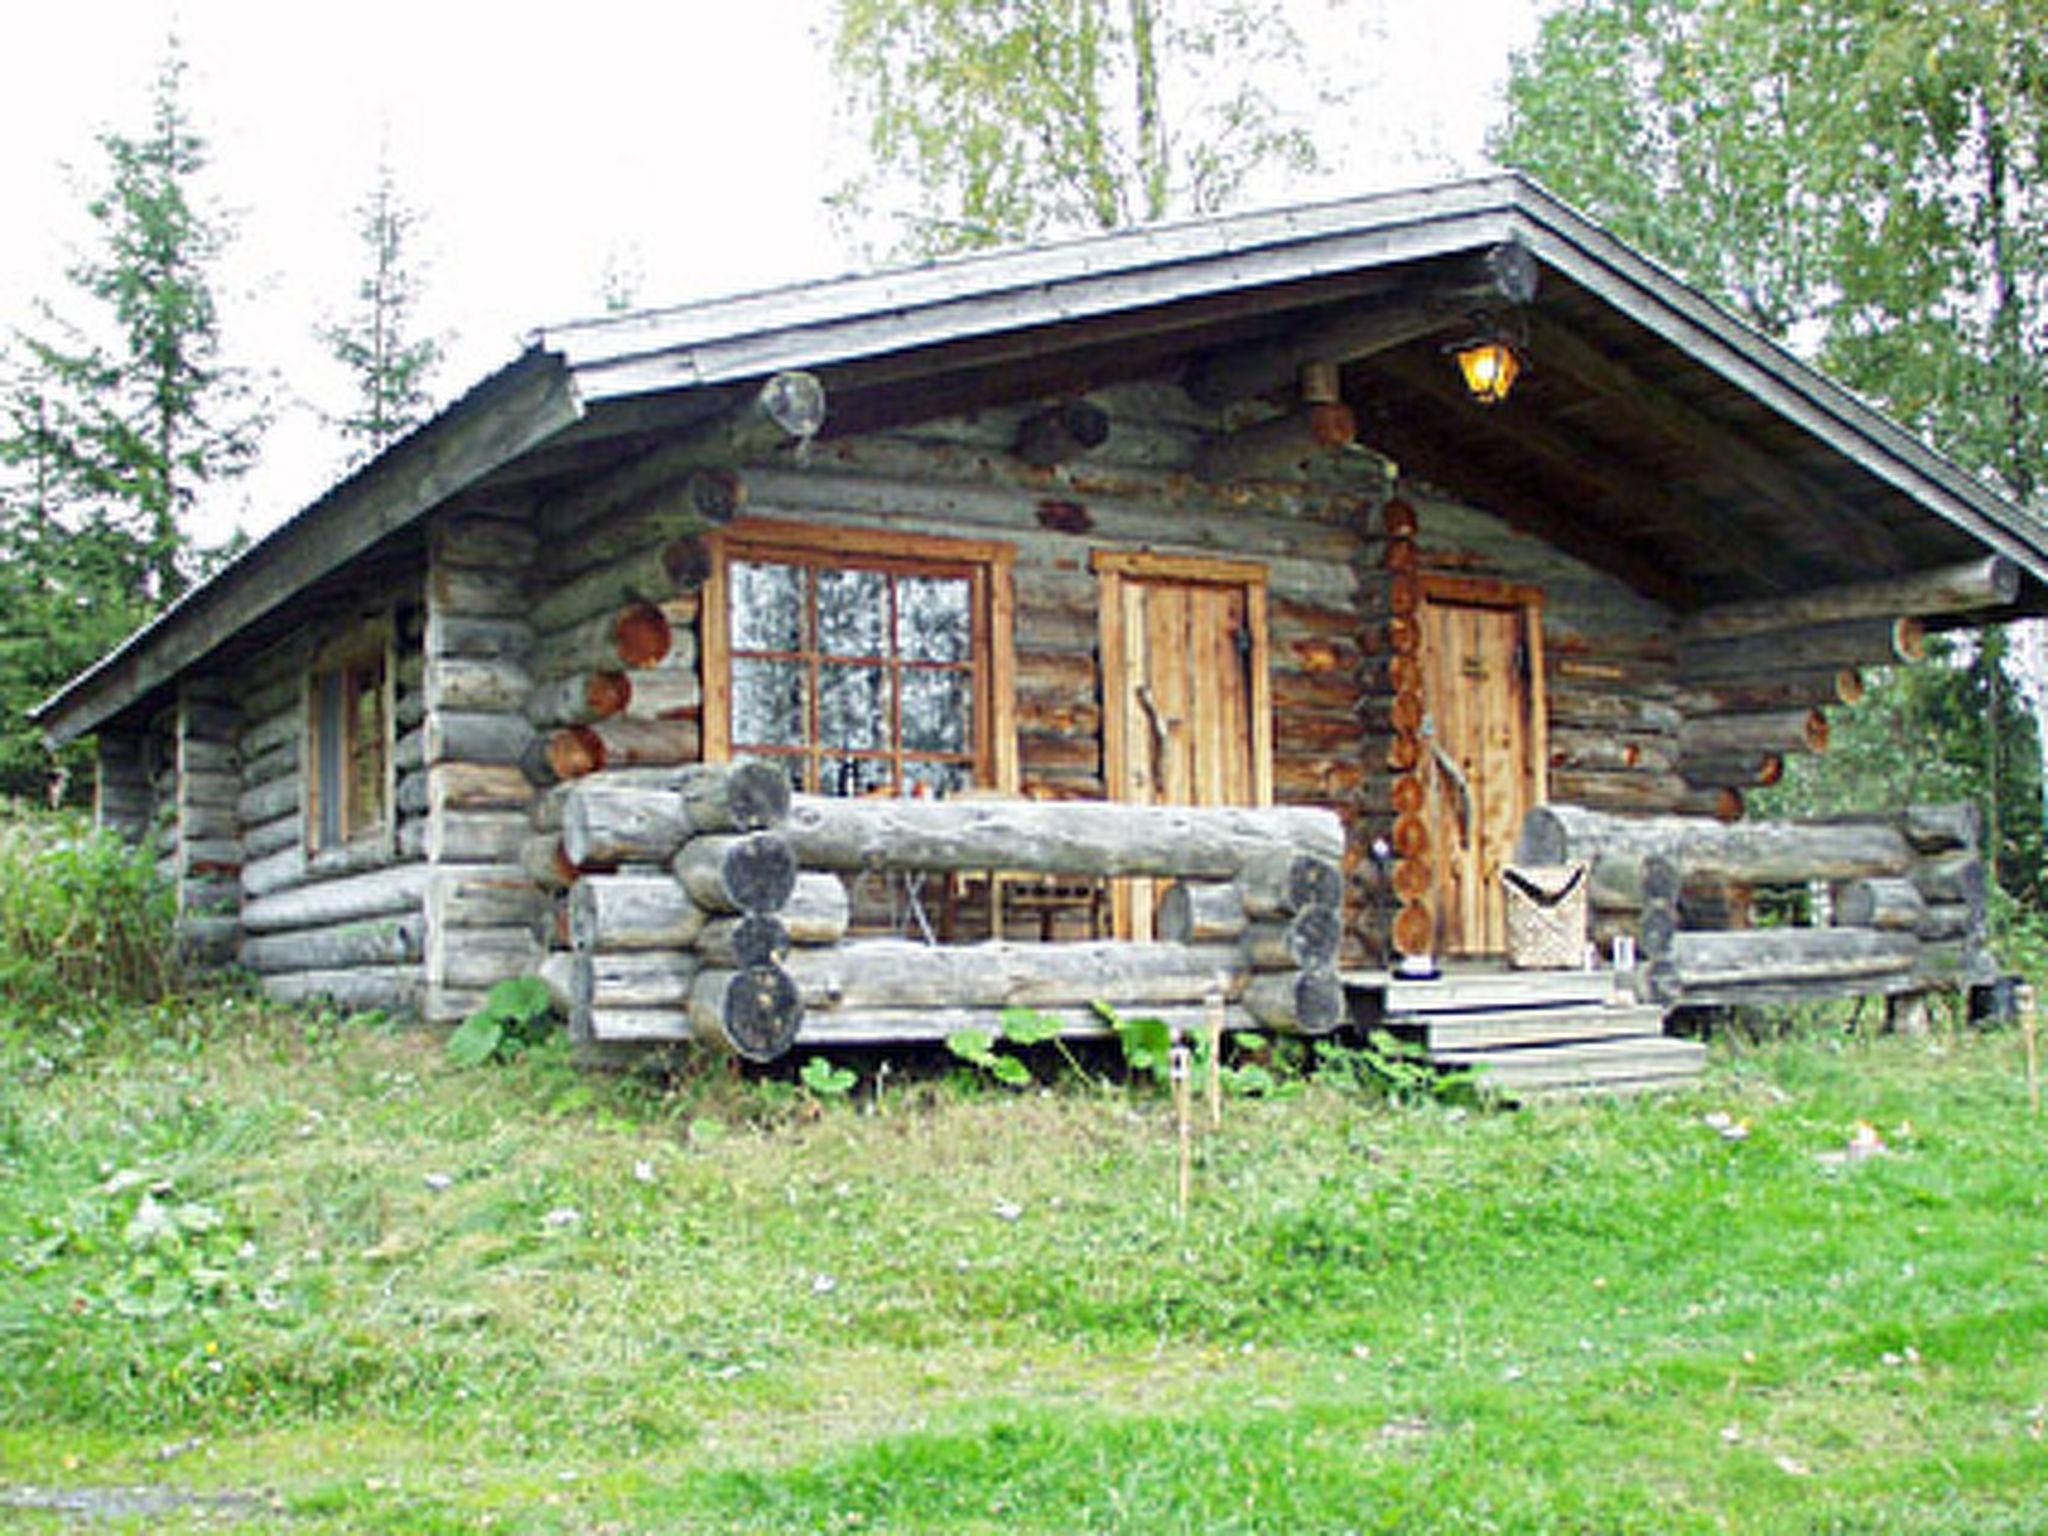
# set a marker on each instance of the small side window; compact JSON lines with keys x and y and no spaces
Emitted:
{"x":348,"y":735}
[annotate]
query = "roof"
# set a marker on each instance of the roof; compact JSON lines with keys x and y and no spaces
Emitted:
{"x":1656,"y":435}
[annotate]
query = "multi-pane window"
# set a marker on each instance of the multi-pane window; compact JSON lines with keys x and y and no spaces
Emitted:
{"x":864,"y":671}
{"x":348,"y":733}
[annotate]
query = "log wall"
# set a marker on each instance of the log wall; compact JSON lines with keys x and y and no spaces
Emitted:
{"x":342,"y":924}
{"x":962,"y":477}
{"x":208,"y":845}
{"x":485,"y":919}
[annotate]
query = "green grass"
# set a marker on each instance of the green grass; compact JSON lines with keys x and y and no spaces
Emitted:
{"x":311,"y":1265}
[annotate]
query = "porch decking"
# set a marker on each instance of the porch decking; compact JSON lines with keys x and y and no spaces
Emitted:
{"x":1531,"y":1033}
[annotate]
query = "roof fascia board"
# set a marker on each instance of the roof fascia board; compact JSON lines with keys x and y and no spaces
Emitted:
{"x":512,"y":411}
{"x":1660,"y":302}
{"x":820,"y":324}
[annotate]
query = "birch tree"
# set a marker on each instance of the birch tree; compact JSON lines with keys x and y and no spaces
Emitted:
{"x":993,"y":121}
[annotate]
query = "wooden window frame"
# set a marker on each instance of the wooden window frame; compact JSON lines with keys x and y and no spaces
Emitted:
{"x":988,"y":565}
{"x":369,"y":642}
{"x":1113,"y":568}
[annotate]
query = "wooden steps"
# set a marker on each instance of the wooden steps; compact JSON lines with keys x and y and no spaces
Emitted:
{"x":1532,"y":1034}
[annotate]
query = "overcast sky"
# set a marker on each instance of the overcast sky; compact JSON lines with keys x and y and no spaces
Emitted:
{"x":687,"y":143}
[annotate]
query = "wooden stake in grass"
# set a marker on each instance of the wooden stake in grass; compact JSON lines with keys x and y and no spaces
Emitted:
{"x":1181,"y":1069}
{"x":1215,"y":1023}
{"x":2029,"y":1028}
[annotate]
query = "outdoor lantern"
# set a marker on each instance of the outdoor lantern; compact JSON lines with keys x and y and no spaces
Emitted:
{"x":1490,"y":365}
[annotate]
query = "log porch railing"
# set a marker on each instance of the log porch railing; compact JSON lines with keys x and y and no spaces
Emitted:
{"x":1904,"y":898}
{"x":709,"y":906}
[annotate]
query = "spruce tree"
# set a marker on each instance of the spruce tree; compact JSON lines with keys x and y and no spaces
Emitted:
{"x":388,"y":364}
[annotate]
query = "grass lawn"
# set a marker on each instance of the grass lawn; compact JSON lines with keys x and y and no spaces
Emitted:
{"x":309,"y":1277}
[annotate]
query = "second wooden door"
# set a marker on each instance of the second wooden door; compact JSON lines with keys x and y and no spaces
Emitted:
{"x":1186,"y":710}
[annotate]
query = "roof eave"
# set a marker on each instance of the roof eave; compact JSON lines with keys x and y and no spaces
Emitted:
{"x":510,"y":412}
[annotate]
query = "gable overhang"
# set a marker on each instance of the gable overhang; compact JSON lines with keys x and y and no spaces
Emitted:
{"x":525,"y":403}
{"x":1655,"y":434}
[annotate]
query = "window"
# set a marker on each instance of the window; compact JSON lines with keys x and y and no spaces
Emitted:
{"x":348,"y":736}
{"x":865,"y":663}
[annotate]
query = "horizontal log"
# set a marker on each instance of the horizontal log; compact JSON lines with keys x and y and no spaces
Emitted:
{"x":620,"y":742}
{"x":750,"y":939}
{"x":386,"y":941}
{"x":1787,"y":689}
{"x":391,"y":989}
{"x":646,"y":576}
{"x":474,"y":787}
{"x":484,"y":541}
{"x":1888,"y":902}
{"x":644,"y":815}
{"x":1777,"y":956}
{"x":1757,"y":853}
{"x":1951,"y":877}
{"x":738,"y":871}
{"x":474,"y":592}
{"x":1582,"y":751}
{"x":1634,"y":790}
{"x":632,"y":912}
{"x":1073,"y":838}
{"x":663,"y":693}
{"x":1296,"y":1002}
{"x":890,"y":1026}
{"x":1742,"y":770}
{"x":819,"y":910}
{"x":478,"y":837}
{"x":654,"y":978}
{"x":1990,"y":582}
{"x":635,"y":635}
{"x":1201,"y":912}
{"x":480,"y":896}
{"x":1940,"y":921}
{"x":789,"y":407}
{"x":605,"y":824}
{"x":1503,"y":277}
{"x":897,"y":973}
{"x":1857,"y":643}
{"x":268,"y":801}
{"x":1277,"y":447}
{"x":480,"y":957}
{"x":1790,"y":730}
{"x":578,"y":698}
{"x":705,"y":500}
{"x":350,"y":898}
{"x":475,"y":738}
{"x":632,"y":1026}
{"x":1940,"y":828}
{"x":450,"y":634}
{"x":1306,"y":941}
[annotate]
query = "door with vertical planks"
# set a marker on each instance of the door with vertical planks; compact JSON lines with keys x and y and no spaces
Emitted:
{"x":1187,"y":716}
{"x":1483,"y":748}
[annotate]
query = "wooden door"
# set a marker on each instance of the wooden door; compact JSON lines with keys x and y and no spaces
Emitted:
{"x":1483,"y":748}
{"x":1186,"y":709}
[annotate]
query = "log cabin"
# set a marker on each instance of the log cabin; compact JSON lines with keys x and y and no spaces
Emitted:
{"x":1198,"y":618}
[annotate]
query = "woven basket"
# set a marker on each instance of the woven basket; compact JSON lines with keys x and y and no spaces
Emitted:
{"x":1546,"y":916}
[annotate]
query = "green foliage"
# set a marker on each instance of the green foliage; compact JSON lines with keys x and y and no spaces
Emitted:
{"x":1866,"y":179}
{"x":388,"y":366}
{"x":399,"y":1298}
{"x":1955,"y":727}
{"x":823,"y":1080}
{"x":977,"y":1047}
{"x":84,"y":920}
{"x":111,"y":420}
{"x":517,"y":1014}
{"x":987,"y":121}
{"x":1395,"y":1070}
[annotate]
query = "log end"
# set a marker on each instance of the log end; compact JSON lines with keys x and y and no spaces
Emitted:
{"x":642,"y":635}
